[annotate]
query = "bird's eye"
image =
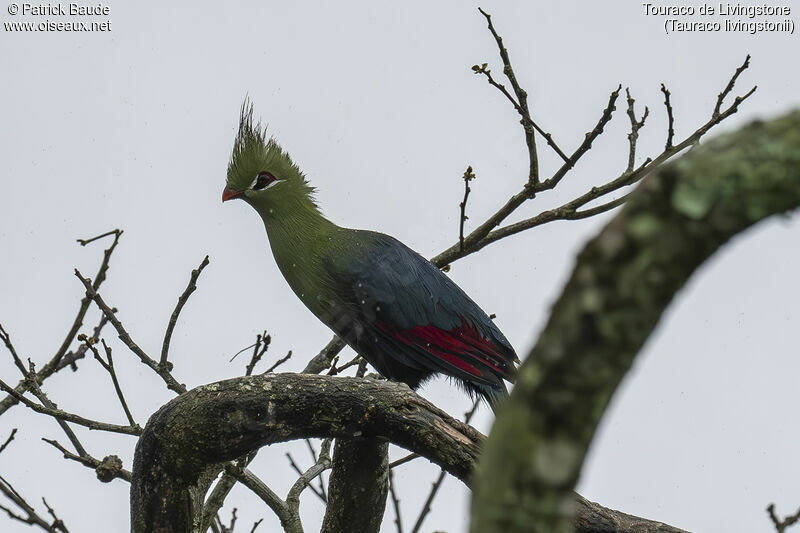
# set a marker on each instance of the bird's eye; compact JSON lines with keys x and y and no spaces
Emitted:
{"x":263,"y":180}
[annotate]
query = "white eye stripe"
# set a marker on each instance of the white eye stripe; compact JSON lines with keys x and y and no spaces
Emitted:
{"x":263,"y":180}
{"x":277,"y":181}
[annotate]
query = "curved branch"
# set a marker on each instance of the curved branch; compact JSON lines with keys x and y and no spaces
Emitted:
{"x":224,"y":420}
{"x":622,"y":282}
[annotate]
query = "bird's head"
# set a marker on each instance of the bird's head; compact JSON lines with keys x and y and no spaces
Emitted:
{"x":260,"y":172}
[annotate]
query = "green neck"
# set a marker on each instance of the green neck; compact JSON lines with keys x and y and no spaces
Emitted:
{"x":299,"y":236}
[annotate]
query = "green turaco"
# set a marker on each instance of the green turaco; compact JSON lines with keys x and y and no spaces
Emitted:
{"x":391,"y":305}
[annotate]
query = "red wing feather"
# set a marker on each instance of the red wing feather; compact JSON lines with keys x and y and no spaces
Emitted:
{"x":462,"y":347}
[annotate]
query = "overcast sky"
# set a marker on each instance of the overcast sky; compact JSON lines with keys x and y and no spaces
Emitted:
{"x":131,"y":128}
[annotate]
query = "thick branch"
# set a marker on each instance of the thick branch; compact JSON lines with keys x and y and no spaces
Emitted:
{"x":621,"y":284}
{"x":224,"y":420}
{"x":221,"y":421}
{"x":358,"y":486}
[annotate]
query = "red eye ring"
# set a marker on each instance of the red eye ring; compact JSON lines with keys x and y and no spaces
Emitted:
{"x":263,"y":180}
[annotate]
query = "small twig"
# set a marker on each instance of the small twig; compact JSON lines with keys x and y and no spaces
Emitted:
{"x":315,"y":458}
{"x":323,"y":463}
{"x":259,"y":349}
{"x":279,"y":362}
{"x":68,"y":417}
{"x":8,"y":440}
{"x":39,"y":393}
{"x":256,"y":524}
{"x":106,"y":469}
{"x":782,"y":525}
{"x":633,"y":136}
{"x":322,"y":361}
{"x":300,"y":472}
{"x":404,"y":460}
{"x":728,"y":88}
{"x":362,"y":368}
{"x":670,"y":118}
{"x":32,"y":518}
{"x":395,"y":503}
{"x":467,"y":177}
{"x":162,"y":371}
{"x":229,"y":529}
{"x":57,"y":524}
{"x":522,"y":99}
{"x":115,"y":232}
{"x":6,"y":338}
{"x":426,"y":508}
{"x":109,"y":367}
{"x":222,"y":488}
{"x":267,"y":495}
{"x":338,"y":370}
{"x":173,"y":319}
{"x":71,"y":357}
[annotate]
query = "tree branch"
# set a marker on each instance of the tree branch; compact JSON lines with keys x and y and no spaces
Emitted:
{"x":622,"y":282}
{"x":173,"y":319}
{"x":358,"y":485}
{"x":224,"y":420}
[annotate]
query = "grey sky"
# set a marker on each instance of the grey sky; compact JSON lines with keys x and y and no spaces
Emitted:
{"x":132,"y":128}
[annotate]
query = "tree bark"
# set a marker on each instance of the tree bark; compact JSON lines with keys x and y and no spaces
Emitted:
{"x":358,"y":486}
{"x":206,"y":426}
{"x":224,"y":420}
{"x":622,"y":283}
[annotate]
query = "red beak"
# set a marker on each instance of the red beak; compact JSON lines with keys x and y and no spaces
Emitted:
{"x":230,"y":194}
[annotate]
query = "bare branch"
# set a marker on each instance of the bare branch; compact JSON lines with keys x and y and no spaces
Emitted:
{"x":633,"y":136}
{"x":162,"y":371}
{"x":336,"y":370}
{"x":322,"y":361}
{"x":426,"y":507}
{"x":259,"y":349}
{"x":289,"y":521}
{"x":8,"y":440}
{"x":297,"y":469}
{"x":782,"y":525}
{"x":700,"y":202}
{"x":6,"y":338}
{"x":728,"y":88}
{"x":670,"y":118}
{"x":468,"y":176}
{"x":476,"y":239}
{"x":395,"y":503}
{"x":323,"y":463}
{"x":115,"y":232}
{"x":68,"y":417}
{"x":108,"y":469}
{"x":520,"y":104}
{"x":109,"y":367}
{"x":279,"y":362}
{"x":30,"y":517}
{"x":173,"y":319}
{"x":39,"y":393}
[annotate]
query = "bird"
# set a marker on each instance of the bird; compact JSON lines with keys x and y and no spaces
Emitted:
{"x":395,"y":308}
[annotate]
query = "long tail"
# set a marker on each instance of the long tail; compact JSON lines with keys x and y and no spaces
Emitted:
{"x":493,"y":395}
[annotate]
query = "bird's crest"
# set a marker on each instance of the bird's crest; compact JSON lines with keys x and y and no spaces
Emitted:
{"x":253,"y":152}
